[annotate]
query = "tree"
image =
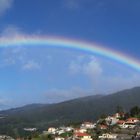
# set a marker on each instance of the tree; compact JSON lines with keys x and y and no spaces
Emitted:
{"x":135,"y":111}
{"x":119,"y":109}
{"x":103,"y":116}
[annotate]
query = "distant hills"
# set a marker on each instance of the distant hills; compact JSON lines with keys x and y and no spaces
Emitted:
{"x":77,"y":110}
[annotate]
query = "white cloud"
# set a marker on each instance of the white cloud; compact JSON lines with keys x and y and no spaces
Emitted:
{"x":4,"y":101}
{"x":92,"y":67}
{"x":31,"y":65}
{"x":11,"y":31}
{"x":112,"y":84}
{"x":80,"y":4}
{"x":74,"y":68}
{"x":96,"y":70}
{"x":5,"y":5}
{"x":72,"y":4}
{"x":17,"y":55}
{"x":59,"y":95}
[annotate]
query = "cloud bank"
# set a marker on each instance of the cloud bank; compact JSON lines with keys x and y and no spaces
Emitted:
{"x":5,"y":5}
{"x":103,"y":77}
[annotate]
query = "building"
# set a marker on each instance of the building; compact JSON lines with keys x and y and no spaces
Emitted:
{"x":82,"y":136}
{"x":108,"y":136}
{"x":59,"y":138}
{"x":103,"y":127}
{"x":30,"y":129}
{"x":88,"y":125}
{"x":126,"y":124}
{"x":118,"y":115}
{"x":135,"y":120}
{"x":51,"y":130}
{"x":80,"y":130}
{"x":111,"y":120}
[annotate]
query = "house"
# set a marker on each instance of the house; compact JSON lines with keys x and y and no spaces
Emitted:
{"x":61,"y":131}
{"x":88,"y":125}
{"x":126,"y":124}
{"x":68,"y":129}
{"x":137,"y":136}
{"x":59,"y":138}
{"x":110,"y":120}
{"x":51,"y":130}
{"x":5,"y":137}
{"x":118,"y":115}
{"x":82,"y":136}
{"x":80,"y":130}
{"x":30,"y":129}
{"x":138,"y":133}
{"x":103,"y":127}
{"x":130,"y":124}
{"x":121,"y":123}
{"x":135,"y":120}
{"x":108,"y":136}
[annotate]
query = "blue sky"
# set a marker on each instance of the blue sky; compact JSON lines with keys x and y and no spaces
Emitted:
{"x":46,"y":75}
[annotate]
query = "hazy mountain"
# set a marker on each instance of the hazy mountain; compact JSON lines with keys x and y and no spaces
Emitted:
{"x":85,"y":108}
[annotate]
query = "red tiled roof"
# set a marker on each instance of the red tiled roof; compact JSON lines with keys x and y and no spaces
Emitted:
{"x":121,"y":122}
{"x":129,"y":122}
{"x":81,"y":134}
{"x":103,"y":126}
{"x":129,"y":119}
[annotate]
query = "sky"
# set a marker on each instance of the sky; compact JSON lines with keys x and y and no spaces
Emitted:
{"x":37,"y":74}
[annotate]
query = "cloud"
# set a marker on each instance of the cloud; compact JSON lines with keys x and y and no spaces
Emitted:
{"x":31,"y":65}
{"x":104,"y":78}
{"x":90,"y":67}
{"x":11,"y":32}
{"x":12,"y":56}
{"x":112,"y":84}
{"x":72,"y":4}
{"x":80,"y":4}
{"x":17,"y":55}
{"x":5,"y":5}
{"x":5,"y":103}
{"x":59,"y":95}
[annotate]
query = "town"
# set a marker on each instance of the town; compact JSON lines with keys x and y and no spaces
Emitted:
{"x":118,"y":126}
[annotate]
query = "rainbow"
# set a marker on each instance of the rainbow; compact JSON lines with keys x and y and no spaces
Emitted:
{"x":70,"y":44}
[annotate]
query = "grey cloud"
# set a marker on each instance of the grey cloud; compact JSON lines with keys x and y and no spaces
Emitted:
{"x":5,"y":5}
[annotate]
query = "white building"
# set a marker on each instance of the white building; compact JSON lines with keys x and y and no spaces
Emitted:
{"x":59,"y":132}
{"x":59,"y":138}
{"x":51,"y":130}
{"x":68,"y":129}
{"x":127,"y":124}
{"x":88,"y":125}
{"x":111,"y":120}
{"x":80,"y":130}
{"x":30,"y":129}
{"x":108,"y":136}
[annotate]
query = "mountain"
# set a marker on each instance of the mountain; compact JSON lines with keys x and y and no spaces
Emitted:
{"x":77,"y":110}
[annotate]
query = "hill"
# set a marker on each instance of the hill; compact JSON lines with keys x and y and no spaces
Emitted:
{"x":77,"y":110}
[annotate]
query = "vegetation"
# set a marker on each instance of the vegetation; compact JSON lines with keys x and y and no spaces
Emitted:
{"x":135,"y":112}
{"x":70,"y":112}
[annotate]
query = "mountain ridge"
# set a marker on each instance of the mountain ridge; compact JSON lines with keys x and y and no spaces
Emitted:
{"x":87,"y":108}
